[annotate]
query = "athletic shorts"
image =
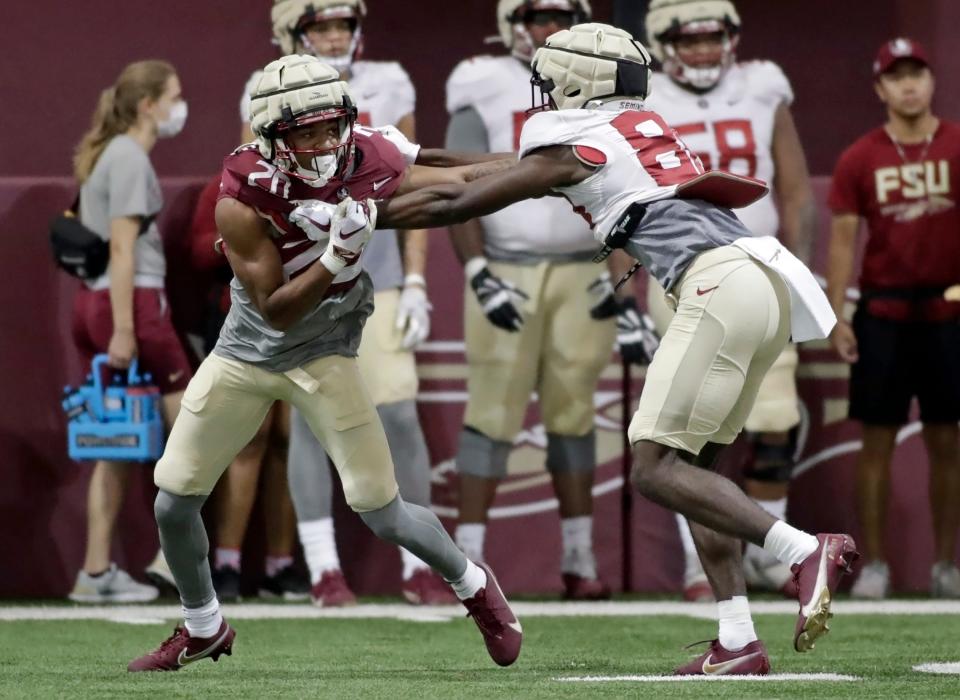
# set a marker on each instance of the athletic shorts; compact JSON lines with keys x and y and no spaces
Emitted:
{"x":159,"y":350}
{"x":227,"y":400}
{"x":731,"y":324}
{"x":900,"y":360}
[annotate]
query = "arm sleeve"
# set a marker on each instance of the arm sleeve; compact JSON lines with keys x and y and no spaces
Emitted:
{"x":467,"y":132}
{"x":844,"y":188}
{"x":129,"y":180}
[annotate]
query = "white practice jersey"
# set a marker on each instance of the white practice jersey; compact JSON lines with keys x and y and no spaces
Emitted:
{"x":498,"y":88}
{"x":384,"y":95}
{"x":731,"y":127}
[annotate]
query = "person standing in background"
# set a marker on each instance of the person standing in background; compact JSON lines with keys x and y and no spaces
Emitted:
{"x":530,"y":322}
{"x":736,"y":117}
{"x":124,"y":312}
{"x":901,"y":178}
{"x":332,"y":30}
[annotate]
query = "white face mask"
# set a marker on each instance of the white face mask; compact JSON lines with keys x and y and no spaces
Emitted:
{"x":173,"y":124}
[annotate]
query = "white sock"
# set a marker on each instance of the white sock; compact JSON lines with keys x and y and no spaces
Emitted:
{"x":273,"y":565}
{"x":203,"y":622}
{"x":578,"y":556}
{"x":319,"y":547}
{"x":736,"y":625}
{"x":692,"y":568}
{"x":777,"y":508}
{"x":225,"y":556}
{"x":469,"y":538}
{"x":473,"y":579}
{"x":788,"y":544}
{"x":411,"y":563}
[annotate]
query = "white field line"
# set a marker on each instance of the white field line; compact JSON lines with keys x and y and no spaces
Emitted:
{"x":772,"y":678}
{"x":259,"y":611}
{"x":952,"y":668}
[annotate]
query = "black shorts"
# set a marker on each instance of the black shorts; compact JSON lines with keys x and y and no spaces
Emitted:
{"x":900,"y":360}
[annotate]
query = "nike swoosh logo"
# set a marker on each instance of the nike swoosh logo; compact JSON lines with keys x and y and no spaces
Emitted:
{"x":378,"y":185}
{"x":346,"y":236}
{"x":724,"y":667}
{"x":185,"y":659}
{"x":701,"y":292}
{"x":175,"y":376}
{"x":293,"y":244}
{"x":515,"y":626}
{"x":821,"y":582}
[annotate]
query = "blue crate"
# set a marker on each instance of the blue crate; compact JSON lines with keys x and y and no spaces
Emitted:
{"x":120,"y":421}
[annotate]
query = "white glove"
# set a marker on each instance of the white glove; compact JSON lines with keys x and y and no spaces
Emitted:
{"x":408,"y":149}
{"x":350,"y":230}
{"x":413,"y":312}
{"x":314,"y":217}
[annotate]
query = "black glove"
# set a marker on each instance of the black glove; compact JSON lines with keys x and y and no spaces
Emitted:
{"x":498,"y":299}
{"x":636,"y":336}
{"x":605,"y":304}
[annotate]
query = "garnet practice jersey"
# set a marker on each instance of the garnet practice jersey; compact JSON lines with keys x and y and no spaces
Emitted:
{"x":384,"y":95}
{"x":643,"y":160}
{"x":910,"y":205}
{"x":498,"y":88}
{"x":334,"y":326}
{"x":730,"y":127}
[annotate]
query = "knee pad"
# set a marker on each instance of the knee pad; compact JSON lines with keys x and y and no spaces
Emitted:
{"x":567,"y":453}
{"x":171,"y":509}
{"x":771,"y":463}
{"x":481,"y":456}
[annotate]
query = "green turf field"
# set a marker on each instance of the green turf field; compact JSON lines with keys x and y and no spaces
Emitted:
{"x":397,"y":659}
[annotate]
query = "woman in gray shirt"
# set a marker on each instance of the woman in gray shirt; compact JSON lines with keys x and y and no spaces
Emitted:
{"x":124,"y":312}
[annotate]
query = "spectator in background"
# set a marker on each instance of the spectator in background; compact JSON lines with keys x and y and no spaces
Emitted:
{"x":267,"y":452}
{"x":902,"y":178}
{"x":736,"y":117}
{"x":530,"y":321}
{"x":124,"y":312}
{"x":332,"y":30}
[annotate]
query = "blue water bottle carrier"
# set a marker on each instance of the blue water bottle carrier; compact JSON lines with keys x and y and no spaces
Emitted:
{"x":120,"y":421}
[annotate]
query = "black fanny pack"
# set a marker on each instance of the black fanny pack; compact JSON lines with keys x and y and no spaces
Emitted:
{"x":77,"y":249}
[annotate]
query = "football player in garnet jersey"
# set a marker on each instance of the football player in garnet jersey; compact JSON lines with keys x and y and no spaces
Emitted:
{"x":738,"y":299}
{"x":396,"y":261}
{"x":299,"y":302}
{"x":736,"y":117}
{"x":533,"y":250}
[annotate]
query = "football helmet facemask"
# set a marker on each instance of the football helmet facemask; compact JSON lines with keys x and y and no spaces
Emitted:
{"x":291,"y":18}
{"x":589,"y":63}
{"x":295,"y":91}
{"x":512,"y":15}
{"x":671,"y":21}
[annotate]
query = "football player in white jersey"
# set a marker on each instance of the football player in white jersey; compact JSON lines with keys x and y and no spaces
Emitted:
{"x":332,"y":30}
{"x":738,"y":299}
{"x":736,"y":117}
{"x":525,"y":294}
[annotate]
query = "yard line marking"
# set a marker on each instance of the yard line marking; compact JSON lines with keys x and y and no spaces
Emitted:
{"x":772,"y":678}
{"x":952,"y":668}
{"x":402,"y":611}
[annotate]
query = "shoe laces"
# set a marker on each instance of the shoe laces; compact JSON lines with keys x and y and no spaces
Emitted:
{"x":711,"y":642}
{"x":178,"y":633}
{"x":483,"y":614}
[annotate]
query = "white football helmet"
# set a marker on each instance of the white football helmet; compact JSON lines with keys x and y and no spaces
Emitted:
{"x":513,"y":31}
{"x":590,"y":63}
{"x":295,"y":91}
{"x":668,"y":20}
{"x":291,"y":18}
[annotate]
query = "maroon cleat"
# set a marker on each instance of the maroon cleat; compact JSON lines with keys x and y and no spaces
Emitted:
{"x":817,"y":579}
{"x":181,"y":649}
{"x":500,"y":628}
{"x":332,"y":591}
{"x":752,"y":660}
{"x":580,"y":588}
{"x":427,"y":588}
